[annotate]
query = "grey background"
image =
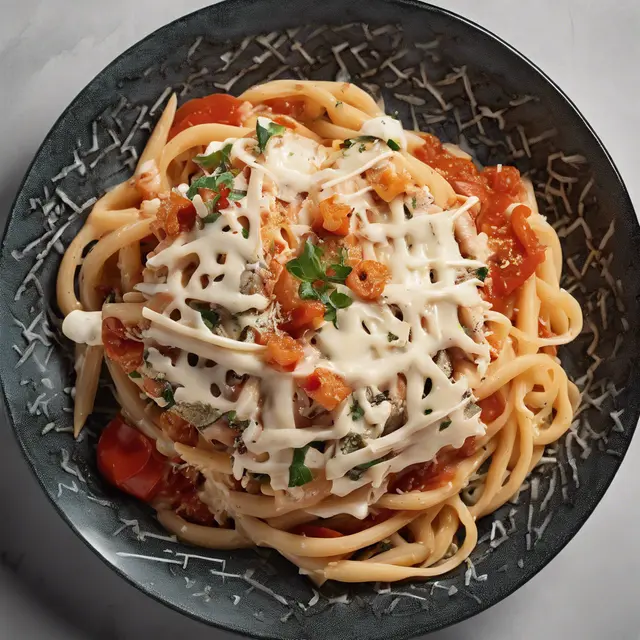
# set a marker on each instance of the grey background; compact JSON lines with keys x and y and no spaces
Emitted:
{"x":51,"y":585}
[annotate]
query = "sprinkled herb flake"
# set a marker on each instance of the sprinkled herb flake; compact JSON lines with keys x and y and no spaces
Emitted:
{"x":393,"y":145}
{"x":445,"y":424}
{"x":216,"y":160}
{"x":391,"y":337}
{"x":135,"y":375}
{"x":356,"y":412}
{"x":167,"y":396}
{"x":482,"y":273}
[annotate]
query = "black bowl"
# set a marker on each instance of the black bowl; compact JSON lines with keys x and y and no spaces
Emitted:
{"x":447,"y":76}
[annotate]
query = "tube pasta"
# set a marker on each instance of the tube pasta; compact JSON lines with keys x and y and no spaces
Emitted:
{"x":382,"y":533}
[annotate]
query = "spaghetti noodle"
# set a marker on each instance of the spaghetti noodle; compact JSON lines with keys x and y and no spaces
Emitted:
{"x":328,"y":335}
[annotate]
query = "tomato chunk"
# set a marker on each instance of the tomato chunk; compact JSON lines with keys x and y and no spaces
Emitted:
{"x":178,"y":429}
{"x":293,"y":107}
{"x":333,"y":216}
{"x":326,"y":388}
{"x":315,"y":531}
{"x":368,"y":279}
{"x":126,"y":352}
{"x":175,"y":215}
{"x":388,"y":182}
{"x":282,"y":351}
{"x":129,"y":460}
{"x":492,"y":407}
{"x":300,"y":314}
{"x":218,"y":107}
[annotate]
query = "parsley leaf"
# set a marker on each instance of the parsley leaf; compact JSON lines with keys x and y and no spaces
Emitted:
{"x":215,"y":160}
{"x":444,"y":425}
{"x":340,"y":300}
{"x":234,"y":423}
{"x":391,"y":337}
{"x":307,"y":267}
{"x":349,"y":142}
{"x":135,"y":375}
{"x":210,"y":182}
{"x":428,"y":411}
{"x":356,"y":412}
{"x":393,"y":145}
{"x":352,"y":442}
{"x":314,"y":276}
{"x":167,"y":396}
{"x":245,"y":233}
{"x":482,"y":273}
{"x":264,"y":134}
{"x":357,"y":472}
{"x":299,"y":473}
{"x":210,"y":317}
{"x":414,"y":202}
{"x":212,"y":217}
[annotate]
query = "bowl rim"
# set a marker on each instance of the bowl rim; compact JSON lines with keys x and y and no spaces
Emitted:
{"x":469,"y":612}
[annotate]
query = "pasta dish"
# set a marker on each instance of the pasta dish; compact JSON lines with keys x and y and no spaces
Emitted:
{"x":327,"y":335}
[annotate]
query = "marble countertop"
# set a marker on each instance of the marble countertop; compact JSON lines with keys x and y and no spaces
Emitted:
{"x":54,"y":587}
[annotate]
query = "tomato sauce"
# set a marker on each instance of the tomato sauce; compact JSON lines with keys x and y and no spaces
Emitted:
{"x":217,"y":108}
{"x":516,"y":249}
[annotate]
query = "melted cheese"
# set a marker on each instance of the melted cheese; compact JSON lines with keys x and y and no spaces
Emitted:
{"x":385,"y":350}
{"x":83,"y":327}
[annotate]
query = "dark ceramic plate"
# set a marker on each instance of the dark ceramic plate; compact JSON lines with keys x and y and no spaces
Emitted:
{"x":442,"y":74}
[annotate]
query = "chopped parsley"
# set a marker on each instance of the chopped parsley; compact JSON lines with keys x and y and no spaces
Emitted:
{"x":482,"y":273}
{"x":428,"y":411}
{"x":245,"y":233}
{"x":414,"y":202}
{"x":216,"y":160}
{"x":352,"y":442}
{"x":349,"y":142}
{"x":167,"y":396}
{"x":357,"y":472}
{"x":445,"y":424}
{"x":299,"y":473}
{"x":234,"y":423}
{"x":339,"y":103}
{"x":135,"y":375}
{"x":391,"y":337}
{"x":316,"y":279}
{"x":210,"y":317}
{"x":264,"y":134}
{"x":356,"y":412}
{"x":379,"y":398}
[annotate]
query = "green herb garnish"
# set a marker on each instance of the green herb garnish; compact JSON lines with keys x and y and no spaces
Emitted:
{"x":264,"y":134}
{"x":357,"y":472}
{"x":234,"y":423}
{"x":210,"y":317}
{"x":352,"y":442}
{"x":393,"y":145}
{"x":428,"y":411}
{"x":444,"y":425}
{"x":216,"y":160}
{"x":135,"y":375}
{"x":391,"y":337}
{"x":299,"y":473}
{"x":482,"y":273}
{"x":245,"y":233}
{"x":349,"y":142}
{"x":167,"y":396}
{"x":356,"y":412}
{"x":316,"y":279}
{"x":414,"y":202}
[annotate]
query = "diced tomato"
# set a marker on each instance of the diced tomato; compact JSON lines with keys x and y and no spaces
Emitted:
{"x":517,"y":251}
{"x":388,"y":182}
{"x":326,"y":388}
{"x":179,"y":491}
{"x":300,"y":314}
{"x":208,"y":195}
{"x":126,"y":352}
{"x":333,"y":216}
{"x":293,"y":107}
{"x":175,"y":215}
{"x":492,"y":407}
{"x":153,"y":388}
{"x":129,"y":460}
{"x":219,"y":108}
{"x":368,"y":279}
{"x":282,"y":351}
{"x":315,"y":531}
{"x":178,"y":429}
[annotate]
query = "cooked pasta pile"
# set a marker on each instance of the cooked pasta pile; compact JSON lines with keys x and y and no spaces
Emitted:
{"x":327,"y":335}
